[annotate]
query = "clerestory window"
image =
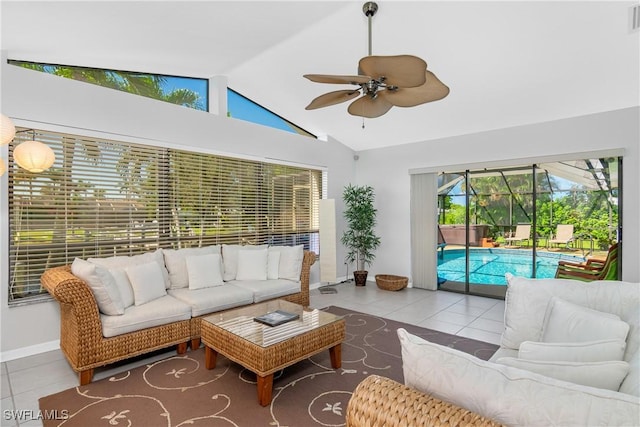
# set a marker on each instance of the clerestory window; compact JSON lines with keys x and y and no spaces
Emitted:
{"x":186,"y":91}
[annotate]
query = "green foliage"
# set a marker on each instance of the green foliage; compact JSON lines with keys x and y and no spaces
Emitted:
{"x":360,"y":214}
{"x":143,"y":84}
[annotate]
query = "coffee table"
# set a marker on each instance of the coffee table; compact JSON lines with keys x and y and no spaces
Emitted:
{"x":265,"y":349}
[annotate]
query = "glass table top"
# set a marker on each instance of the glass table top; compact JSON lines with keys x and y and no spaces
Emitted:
{"x":241,"y":322}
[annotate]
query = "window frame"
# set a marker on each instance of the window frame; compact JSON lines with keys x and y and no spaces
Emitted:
{"x":269,"y":183}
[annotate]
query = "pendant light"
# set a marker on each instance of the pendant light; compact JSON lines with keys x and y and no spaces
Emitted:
{"x":34,"y":156}
{"x":7,"y":130}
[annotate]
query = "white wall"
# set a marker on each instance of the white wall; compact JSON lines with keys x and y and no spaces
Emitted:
{"x":43,"y":101}
{"x":387,"y":170}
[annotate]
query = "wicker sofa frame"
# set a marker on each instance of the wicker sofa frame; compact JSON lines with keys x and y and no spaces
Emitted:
{"x":380,"y":401}
{"x":81,"y":338}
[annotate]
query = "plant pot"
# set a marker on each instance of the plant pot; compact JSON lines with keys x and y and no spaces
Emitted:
{"x":360,"y":277}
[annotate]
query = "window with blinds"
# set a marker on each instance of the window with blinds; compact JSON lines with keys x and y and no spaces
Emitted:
{"x":103,"y":198}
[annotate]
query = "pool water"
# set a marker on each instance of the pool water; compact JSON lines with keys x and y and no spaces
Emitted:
{"x":489,"y":266}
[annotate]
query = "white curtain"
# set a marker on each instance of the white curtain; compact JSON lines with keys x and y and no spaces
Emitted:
{"x":424,"y":226}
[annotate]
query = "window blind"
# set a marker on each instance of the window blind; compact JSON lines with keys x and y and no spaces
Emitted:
{"x":103,"y":198}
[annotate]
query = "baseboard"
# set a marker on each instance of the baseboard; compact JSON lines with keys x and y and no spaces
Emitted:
{"x":31,"y":350}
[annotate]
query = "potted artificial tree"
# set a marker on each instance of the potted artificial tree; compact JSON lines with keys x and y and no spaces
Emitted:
{"x":359,"y":237}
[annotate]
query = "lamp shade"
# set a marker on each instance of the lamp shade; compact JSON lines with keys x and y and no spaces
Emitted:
{"x":3,"y":168}
{"x":34,"y":156}
{"x":7,"y":130}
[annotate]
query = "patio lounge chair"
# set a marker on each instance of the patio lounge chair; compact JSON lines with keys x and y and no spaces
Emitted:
{"x":564,"y":235}
{"x":592,"y":269}
{"x":523,"y":231}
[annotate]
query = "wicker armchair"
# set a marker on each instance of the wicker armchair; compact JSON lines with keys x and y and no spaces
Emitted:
{"x":379,"y":401}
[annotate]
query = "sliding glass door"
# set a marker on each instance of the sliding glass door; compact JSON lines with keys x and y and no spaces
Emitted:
{"x":523,"y":221}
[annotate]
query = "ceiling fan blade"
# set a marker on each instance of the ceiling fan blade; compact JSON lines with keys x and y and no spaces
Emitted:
{"x":332,"y":98}
{"x":400,"y":70}
{"x":432,"y":90}
{"x":369,"y":107}
{"x":328,"y":78}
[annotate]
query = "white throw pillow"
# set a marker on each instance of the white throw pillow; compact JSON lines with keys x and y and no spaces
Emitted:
{"x":507,"y":395}
{"x":102,"y":285}
{"x":123,"y":262}
{"x":204,"y":271}
{"x":607,"y":375}
{"x":147,"y":282}
{"x":252,"y":264}
{"x":568,"y":322}
{"x":174,"y":260}
{"x":290,"y":261}
{"x":230,"y":258}
{"x":123,"y":284}
{"x":588,"y":351}
{"x":273,"y":265}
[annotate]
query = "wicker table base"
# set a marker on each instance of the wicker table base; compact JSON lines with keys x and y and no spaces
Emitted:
{"x":264,"y":360}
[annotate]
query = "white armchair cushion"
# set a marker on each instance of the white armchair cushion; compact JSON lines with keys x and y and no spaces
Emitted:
{"x":527,"y":301}
{"x":252,"y":264}
{"x":568,"y":322}
{"x":509,"y":395}
{"x":146,"y":281}
{"x":204,"y":271}
{"x":102,"y":284}
{"x":588,"y":351}
{"x":606,"y":375}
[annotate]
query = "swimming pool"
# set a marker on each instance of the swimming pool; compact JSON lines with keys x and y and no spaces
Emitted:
{"x":489,"y":265}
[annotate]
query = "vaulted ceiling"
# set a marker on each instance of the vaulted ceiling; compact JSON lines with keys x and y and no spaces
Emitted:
{"x":508,"y":63}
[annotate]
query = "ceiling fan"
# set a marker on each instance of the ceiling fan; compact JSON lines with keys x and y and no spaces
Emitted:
{"x":384,"y":82}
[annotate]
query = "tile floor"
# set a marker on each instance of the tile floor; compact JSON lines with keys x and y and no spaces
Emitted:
{"x":25,"y":380}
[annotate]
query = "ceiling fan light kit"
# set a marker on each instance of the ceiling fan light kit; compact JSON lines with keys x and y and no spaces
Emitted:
{"x":384,"y":82}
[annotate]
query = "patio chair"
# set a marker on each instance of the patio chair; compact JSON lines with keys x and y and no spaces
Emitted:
{"x":592,"y":269}
{"x":564,"y":235}
{"x":523,"y":231}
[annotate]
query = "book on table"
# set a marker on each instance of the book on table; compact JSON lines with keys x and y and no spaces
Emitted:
{"x":276,"y":318}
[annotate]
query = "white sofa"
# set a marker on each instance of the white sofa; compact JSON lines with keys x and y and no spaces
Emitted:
{"x":118,"y":307}
{"x":512,"y":388}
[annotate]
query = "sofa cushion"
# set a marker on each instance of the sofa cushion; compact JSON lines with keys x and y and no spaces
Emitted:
{"x":146,"y":281}
{"x":291,"y":258}
{"x":525,"y":398}
{"x":607,"y":375}
{"x":252,"y":264}
{"x":160,"y":311}
{"x":176,"y":264}
{"x":587,"y":351}
{"x":204,"y":271}
{"x":209,"y":300}
{"x":102,"y":284}
{"x":230,"y":258}
{"x":273,"y":264}
{"x":268,"y":289}
{"x":121,"y":262}
{"x":568,"y":322}
{"x":527,"y":300}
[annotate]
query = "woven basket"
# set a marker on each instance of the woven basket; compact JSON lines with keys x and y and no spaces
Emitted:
{"x":389,"y":282}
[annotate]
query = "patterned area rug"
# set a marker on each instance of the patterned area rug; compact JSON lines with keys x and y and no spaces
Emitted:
{"x":179,"y":391}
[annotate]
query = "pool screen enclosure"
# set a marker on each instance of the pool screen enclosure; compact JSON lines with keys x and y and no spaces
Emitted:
{"x":479,"y":212}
